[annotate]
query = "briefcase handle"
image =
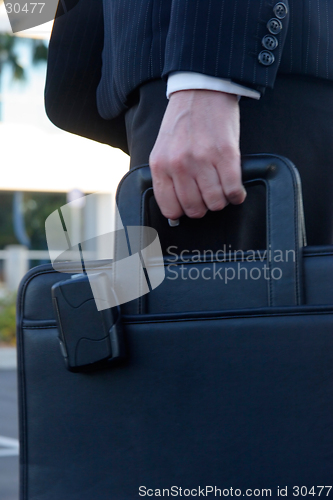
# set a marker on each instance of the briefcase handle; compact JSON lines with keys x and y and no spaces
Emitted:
{"x":284,"y":216}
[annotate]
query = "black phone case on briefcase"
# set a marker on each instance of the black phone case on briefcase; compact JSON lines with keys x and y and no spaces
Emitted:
{"x":226,"y":385}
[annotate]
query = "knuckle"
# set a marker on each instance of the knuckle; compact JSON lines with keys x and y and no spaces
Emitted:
{"x":235,"y":195}
{"x":200,"y":155}
{"x":155,"y":163}
{"x":178,"y":164}
{"x":214,"y":198}
{"x":230,"y":153}
{"x":217,"y":205}
{"x":196,"y":214}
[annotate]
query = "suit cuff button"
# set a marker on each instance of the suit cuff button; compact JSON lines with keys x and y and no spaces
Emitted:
{"x":269,"y":42}
{"x":266,"y":57}
{"x":274,"y":26}
{"x":280,"y":10}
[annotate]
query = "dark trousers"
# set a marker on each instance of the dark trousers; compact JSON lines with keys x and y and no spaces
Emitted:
{"x":293,"y":120}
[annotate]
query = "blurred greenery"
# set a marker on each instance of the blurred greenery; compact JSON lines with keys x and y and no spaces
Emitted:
{"x":8,"y":54}
{"x":7,"y":319}
{"x":36,"y":207}
{"x":7,"y":236}
{"x":39,"y":51}
{"x":9,"y":57}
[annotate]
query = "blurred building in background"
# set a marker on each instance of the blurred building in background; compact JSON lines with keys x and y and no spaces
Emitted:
{"x":42,"y":167}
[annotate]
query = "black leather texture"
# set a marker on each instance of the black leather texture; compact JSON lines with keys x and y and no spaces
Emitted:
{"x":284,"y":233}
{"x":225,"y":384}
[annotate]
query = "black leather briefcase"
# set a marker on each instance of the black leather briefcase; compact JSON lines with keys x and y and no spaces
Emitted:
{"x":226,"y":388}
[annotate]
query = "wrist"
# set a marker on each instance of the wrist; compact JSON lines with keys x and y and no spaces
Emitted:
{"x":190,"y":95}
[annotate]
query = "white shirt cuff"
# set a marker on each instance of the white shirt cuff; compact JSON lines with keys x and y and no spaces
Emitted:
{"x":189,"y":80}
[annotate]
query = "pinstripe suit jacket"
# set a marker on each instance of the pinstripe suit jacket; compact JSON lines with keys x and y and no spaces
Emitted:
{"x":130,"y":42}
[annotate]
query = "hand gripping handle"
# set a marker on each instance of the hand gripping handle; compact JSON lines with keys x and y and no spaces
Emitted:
{"x":284,"y":216}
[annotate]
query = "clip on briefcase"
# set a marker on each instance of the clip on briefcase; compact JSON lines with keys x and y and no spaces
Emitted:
{"x":224,"y":384}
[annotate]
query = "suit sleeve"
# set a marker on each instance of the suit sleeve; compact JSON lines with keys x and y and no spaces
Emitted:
{"x":226,"y":39}
{"x":74,"y":72}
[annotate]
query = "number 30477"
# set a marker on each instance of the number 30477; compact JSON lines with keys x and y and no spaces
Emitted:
{"x":303,"y":491}
{"x":28,"y":8}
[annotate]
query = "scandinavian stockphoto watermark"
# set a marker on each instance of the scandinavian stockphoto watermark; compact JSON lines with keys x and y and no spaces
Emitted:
{"x":122,"y":262}
{"x":226,"y":264}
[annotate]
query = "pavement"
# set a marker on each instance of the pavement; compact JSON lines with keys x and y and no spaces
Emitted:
{"x":9,"y":485}
{"x":7,"y":358}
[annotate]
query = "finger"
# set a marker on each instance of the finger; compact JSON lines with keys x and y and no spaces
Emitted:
{"x":230,"y":174}
{"x":211,"y":190}
{"x":166,"y":197}
{"x":189,"y":196}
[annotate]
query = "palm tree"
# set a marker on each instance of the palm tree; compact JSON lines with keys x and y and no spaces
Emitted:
{"x":8,"y":56}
